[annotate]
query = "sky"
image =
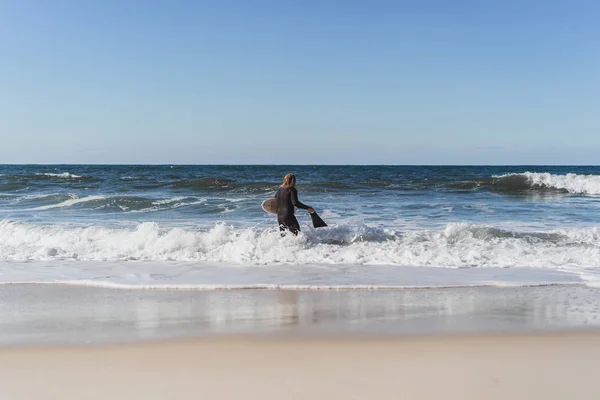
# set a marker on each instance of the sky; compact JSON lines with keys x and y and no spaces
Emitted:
{"x":300,"y":82}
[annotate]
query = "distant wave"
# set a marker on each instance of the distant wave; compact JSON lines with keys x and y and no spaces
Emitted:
{"x":108,"y":203}
{"x":65,"y":175}
{"x":228,"y":185}
{"x":458,"y":245}
{"x":513,"y":183}
{"x":214,"y":184}
{"x":528,"y":182}
{"x":47,"y":176}
{"x":68,"y":203}
{"x":203,"y":183}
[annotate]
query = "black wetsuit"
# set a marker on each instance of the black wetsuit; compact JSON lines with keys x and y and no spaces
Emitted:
{"x":287,"y":199}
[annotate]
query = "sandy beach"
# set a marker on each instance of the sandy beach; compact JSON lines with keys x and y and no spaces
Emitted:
{"x":551,"y":366}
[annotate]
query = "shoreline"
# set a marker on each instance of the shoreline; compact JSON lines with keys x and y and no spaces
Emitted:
{"x":210,"y":276}
{"x":291,"y":287}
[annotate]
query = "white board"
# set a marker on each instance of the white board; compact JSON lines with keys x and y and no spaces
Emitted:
{"x":270,"y":206}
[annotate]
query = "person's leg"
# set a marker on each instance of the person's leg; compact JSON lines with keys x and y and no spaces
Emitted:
{"x":282,"y":227}
{"x":290,"y":224}
{"x":294,"y":227}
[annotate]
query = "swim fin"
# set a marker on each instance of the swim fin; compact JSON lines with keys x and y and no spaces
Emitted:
{"x":317,"y":221}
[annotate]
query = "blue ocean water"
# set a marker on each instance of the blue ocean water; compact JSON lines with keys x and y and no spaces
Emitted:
{"x":388,"y":225}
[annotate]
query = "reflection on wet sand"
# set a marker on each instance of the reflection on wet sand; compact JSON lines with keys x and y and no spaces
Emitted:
{"x":52,"y":313}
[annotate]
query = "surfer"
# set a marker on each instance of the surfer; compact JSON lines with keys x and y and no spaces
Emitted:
{"x":287,"y":199}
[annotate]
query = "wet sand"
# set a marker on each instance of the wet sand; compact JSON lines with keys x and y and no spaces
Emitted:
{"x":59,"y":314}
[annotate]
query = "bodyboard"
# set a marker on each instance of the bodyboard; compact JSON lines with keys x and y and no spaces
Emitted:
{"x":270,"y":206}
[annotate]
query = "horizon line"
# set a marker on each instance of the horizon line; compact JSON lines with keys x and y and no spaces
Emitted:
{"x":302,"y":165}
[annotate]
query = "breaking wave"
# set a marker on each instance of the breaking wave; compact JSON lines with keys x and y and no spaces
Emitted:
{"x":572,"y":183}
{"x":528,"y":182}
{"x":458,"y":245}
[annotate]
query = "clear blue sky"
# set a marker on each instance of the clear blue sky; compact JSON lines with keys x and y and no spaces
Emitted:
{"x":369,"y":82}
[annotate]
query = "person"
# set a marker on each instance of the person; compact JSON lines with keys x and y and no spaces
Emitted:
{"x":287,"y":199}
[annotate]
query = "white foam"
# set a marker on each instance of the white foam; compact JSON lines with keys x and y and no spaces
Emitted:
{"x":329,"y":214}
{"x":167,"y":201}
{"x":67,"y":203}
{"x":157,"y":205}
{"x":171,"y":204}
{"x":458,"y":245}
{"x":65,"y":175}
{"x":211,"y":276}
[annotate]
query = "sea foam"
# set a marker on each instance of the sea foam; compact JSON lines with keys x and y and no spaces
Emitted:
{"x":65,"y":175}
{"x":458,"y":245}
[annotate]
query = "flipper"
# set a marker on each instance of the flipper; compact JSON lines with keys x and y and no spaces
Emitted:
{"x":317,"y":221}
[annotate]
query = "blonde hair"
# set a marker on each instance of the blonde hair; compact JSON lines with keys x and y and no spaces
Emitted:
{"x":289,"y":181}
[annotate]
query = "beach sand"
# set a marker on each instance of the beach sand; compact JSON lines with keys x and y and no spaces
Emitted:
{"x":548,"y":366}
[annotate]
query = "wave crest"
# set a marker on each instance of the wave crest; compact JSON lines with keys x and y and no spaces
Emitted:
{"x":572,"y":183}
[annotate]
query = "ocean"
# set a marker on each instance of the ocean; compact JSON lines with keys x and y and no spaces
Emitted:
{"x":202,"y":227}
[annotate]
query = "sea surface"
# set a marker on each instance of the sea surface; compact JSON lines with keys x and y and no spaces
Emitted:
{"x":202,"y":227}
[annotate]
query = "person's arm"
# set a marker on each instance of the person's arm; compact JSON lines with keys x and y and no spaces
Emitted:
{"x":297,"y":202}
